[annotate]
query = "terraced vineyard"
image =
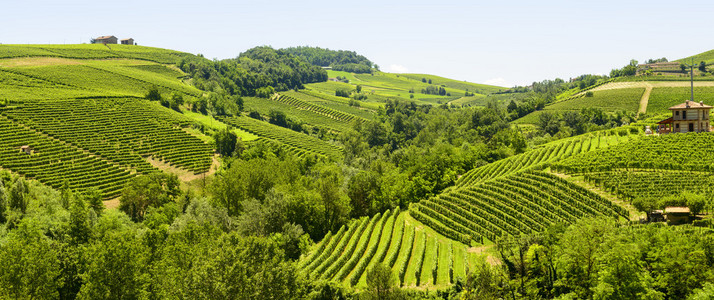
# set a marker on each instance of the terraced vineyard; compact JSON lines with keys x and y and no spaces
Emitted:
{"x":526,"y":202}
{"x":121,"y":130}
{"x":607,"y":100}
{"x":650,"y":152}
{"x":652,"y":183}
{"x":420,"y":257}
{"x":54,"y":161}
{"x":296,"y":142}
{"x":542,"y":155}
{"x":331,"y":113}
{"x":318,"y":121}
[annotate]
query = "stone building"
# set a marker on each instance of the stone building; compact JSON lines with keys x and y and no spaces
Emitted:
{"x":128,"y":41}
{"x":107,"y":39}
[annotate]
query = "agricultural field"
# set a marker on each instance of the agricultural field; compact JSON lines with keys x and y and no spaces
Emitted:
{"x":122,"y":130}
{"x":303,"y":116}
{"x":54,"y":162}
{"x":418,"y":255}
{"x":380,"y":87}
{"x":545,"y":154}
{"x":525,"y":202}
{"x":652,"y":183}
{"x":296,"y":142}
{"x":664,"y":97}
{"x":649,"y":152}
{"x":607,"y":100}
{"x":93,"y":51}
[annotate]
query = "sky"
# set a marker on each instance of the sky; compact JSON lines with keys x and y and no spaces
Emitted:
{"x":503,"y":43}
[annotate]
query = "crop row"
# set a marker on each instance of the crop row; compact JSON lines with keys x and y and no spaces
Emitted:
{"x":335,"y":114}
{"x":684,"y":152}
{"x":92,"y":51}
{"x":542,"y":155}
{"x":652,"y":183}
{"x":52,"y":162}
{"x":284,"y":136}
{"x":417,"y":257}
{"x":123,"y":131}
{"x":525,"y":202}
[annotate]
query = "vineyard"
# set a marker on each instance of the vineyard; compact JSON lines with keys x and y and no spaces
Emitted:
{"x":302,"y":116}
{"x":321,"y":110}
{"x":664,"y":97}
{"x":93,"y":51}
{"x":417,"y":255}
{"x":607,"y":100}
{"x":654,"y":183}
{"x":651,"y":152}
{"x":295,"y":142}
{"x":544,"y":154}
{"x":53,"y":162}
{"x":526,"y":202}
{"x":121,"y":130}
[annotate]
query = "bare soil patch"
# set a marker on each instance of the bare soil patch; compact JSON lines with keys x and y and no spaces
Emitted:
{"x":37,"y":61}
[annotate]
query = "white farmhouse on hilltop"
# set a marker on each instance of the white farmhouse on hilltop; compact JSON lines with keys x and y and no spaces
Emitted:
{"x":689,"y":116}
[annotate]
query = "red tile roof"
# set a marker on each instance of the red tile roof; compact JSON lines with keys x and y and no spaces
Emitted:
{"x":105,"y":37}
{"x":691,"y":104}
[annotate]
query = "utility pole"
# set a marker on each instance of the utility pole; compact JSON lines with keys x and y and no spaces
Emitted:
{"x":691,"y":74}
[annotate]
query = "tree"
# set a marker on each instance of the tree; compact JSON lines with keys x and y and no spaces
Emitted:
{"x":176,"y":101}
{"x":94,"y":200}
{"x":145,"y":191}
{"x":153,"y":94}
{"x":226,"y":142}
{"x":30,"y":265}
{"x":79,"y":228}
{"x":3,"y":202}
{"x":19,"y":196}
{"x":126,"y":256}
{"x":382,"y":283}
{"x":703,"y":66}
{"x":358,"y":88}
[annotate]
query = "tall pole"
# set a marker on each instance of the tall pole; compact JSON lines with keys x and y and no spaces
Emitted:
{"x":691,"y":73}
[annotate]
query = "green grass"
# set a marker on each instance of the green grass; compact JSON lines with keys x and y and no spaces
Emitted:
{"x":211,"y":122}
{"x":455,"y":84}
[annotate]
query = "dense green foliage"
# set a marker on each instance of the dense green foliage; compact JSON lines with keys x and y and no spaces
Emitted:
{"x":340,"y":60}
{"x":600,"y":259}
{"x":256,"y":72}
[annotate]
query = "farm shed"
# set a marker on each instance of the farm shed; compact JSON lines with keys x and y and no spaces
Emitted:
{"x":677,"y":215}
{"x":128,"y":41}
{"x":107,"y":39}
{"x":27,"y":149}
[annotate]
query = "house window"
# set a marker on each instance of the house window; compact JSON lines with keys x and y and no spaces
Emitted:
{"x":684,"y":115}
{"x":676,"y":113}
{"x":691,"y":127}
{"x":676,"y":126}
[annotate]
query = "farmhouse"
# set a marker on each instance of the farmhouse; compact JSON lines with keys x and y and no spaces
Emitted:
{"x":128,"y":41}
{"x":689,"y":116}
{"x":107,"y":39}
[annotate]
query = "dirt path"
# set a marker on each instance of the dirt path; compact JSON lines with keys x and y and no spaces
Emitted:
{"x":645,"y":99}
{"x":184,"y":175}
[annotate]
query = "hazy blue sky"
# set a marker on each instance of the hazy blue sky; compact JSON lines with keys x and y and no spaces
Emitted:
{"x":497,"y":42}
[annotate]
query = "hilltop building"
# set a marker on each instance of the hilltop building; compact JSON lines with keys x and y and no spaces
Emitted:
{"x":660,"y":67}
{"x":128,"y":41}
{"x":107,"y":39}
{"x":689,"y":116}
